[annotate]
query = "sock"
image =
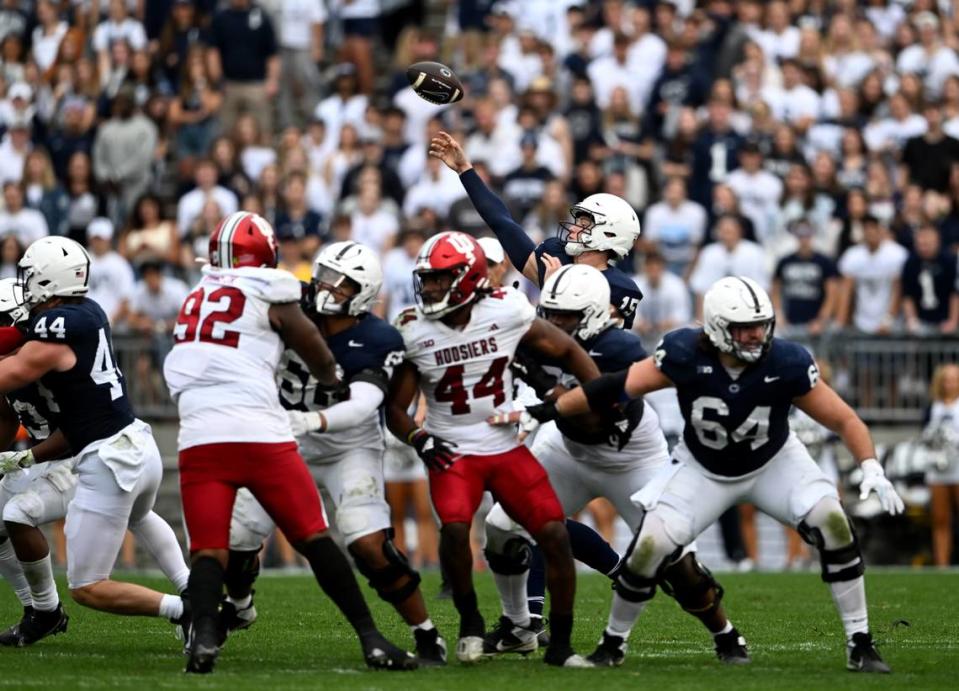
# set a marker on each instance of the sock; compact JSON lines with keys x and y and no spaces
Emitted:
{"x":43,"y":589}
{"x":426,"y":625}
{"x":241,"y":602}
{"x":560,"y":630}
{"x":850,"y":599}
{"x":160,"y":541}
{"x":536,"y":584}
{"x":242,"y":569}
{"x":333,"y":573}
{"x":12,"y":573}
{"x":171,"y":607}
{"x":590,"y":548}
{"x":726,"y":629}
{"x":512,"y":593}
{"x":466,"y":604}
{"x":206,"y":588}
{"x":623,"y":615}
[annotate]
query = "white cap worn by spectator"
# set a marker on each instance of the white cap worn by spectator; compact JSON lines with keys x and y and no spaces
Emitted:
{"x":492,"y":249}
{"x":20,"y":90}
{"x":100,"y":227}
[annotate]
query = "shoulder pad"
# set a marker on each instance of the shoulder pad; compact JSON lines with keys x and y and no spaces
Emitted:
{"x":677,"y":348}
{"x":554,"y":247}
{"x":271,"y":285}
{"x":405,"y":317}
{"x":617,"y":348}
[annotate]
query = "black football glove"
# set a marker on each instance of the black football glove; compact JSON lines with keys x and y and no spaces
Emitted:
{"x":532,"y":373}
{"x":543,"y":412}
{"x":328,"y":396}
{"x":631,"y":417}
{"x":435,"y":452}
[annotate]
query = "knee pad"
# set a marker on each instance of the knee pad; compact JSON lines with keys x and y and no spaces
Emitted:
{"x":508,"y":551}
{"x":651,"y":548}
{"x":25,"y":508}
{"x":692,"y":585}
{"x":242,"y":569}
{"x":828,"y":529}
{"x":383,"y":579}
{"x":630,"y":585}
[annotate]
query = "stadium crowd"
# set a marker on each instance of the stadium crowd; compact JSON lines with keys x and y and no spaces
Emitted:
{"x":812,"y":146}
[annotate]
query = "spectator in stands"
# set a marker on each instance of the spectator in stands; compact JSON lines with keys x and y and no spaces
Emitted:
{"x":805,"y":286}
{"x":296,"y":220}
{"x":123,"y":152}
{"x":14,"y":148}
{"x":111,"y":277}
{"x":301,"y":27}
{"x":118,"y":26}
{"x":930,"y":302}
{"x":13,"y":20}
{"x":44,"y":193}
{"x":192,"y":203}
{"x":150,"y":236}
{"x":345,"y":106}
{"x":757,"y":190}
{"x":665,"y":305}
{"x":714,"y":152}
{"x":74,"y":133}
{"x":524,"y":186}
{"x":182,"y":32}
{"x":25,"y":223}
{"x":229,"y":173}
{"x":679,"y":84}
{"x":193,"y":112}
{"x":870,"y":270}
{"x":943,"y":421}
{"x":676,"y":226}
{"x":294,"y":259}
{"x":930,"y":57}
{"x":47,"y":35}
{"x":243,"y":53}
{"x":890,"y":134}
{"x":371,"y":222}
{"x":730,"y":255}
{"x":398,"y":263}
{"x":929,"y":157}
{"x":11,"y":252}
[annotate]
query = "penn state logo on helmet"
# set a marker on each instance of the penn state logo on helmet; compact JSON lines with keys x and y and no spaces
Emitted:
{"x":243,"y":239}
{"x":343,"y":262}
{"x":457,"y":257}
{"x":738,"y":301}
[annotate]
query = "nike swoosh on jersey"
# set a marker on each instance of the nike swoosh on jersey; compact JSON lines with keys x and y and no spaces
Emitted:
{"x":354,"y":344}
{"x":593,"y":353}
{"x":770,"y":379}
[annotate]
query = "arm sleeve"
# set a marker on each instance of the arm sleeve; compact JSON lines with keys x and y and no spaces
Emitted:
{"x":364,"y":400}
{"x":491,"y":208}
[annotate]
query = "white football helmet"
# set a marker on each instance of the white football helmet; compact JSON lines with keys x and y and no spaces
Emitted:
{"x":53,"y":267}
{"x":347,"y":260}
{"x":581,"y":289}
{"x":11,"y":301}
{"x":735,"y":301}
{"x":615,"y":226}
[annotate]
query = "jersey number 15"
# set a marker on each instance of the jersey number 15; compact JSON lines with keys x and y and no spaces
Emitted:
{"x":230,"y":303}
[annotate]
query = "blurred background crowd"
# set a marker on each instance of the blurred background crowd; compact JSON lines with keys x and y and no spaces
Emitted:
{"x":810,"y":144}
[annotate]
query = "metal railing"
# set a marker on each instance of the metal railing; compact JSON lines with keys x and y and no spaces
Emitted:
{"x":885,"y":378}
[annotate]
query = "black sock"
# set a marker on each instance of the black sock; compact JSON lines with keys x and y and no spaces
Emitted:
{"x":206,"y":589}
{"x":536,"y":583}
{"x":333,"y":573}
{"x":466,"y":604}
{"x":242,"y":568}
{"x":560,"y":629}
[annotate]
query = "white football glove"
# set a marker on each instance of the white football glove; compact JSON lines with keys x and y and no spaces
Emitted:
{"x":875,"y":480}
{"x":303,"y":422}
{"x":11,"y":461}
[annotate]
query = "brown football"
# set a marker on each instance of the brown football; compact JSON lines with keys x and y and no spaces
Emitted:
{"x":434,"y":82}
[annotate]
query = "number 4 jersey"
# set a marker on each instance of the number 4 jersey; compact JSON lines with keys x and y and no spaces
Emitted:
{"x":734,"y":425}
{"x":464,"y":373}
{"x":222,"y":369}
{"x":91,"y":396}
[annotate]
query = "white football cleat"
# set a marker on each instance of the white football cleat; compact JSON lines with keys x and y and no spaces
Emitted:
{"x":469,"y":649}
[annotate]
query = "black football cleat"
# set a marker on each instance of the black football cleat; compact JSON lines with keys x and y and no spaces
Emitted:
{"x":862,"y":656}
{"x":430,"y":648}
{"x":508,"y":637}
{"x":35,"y":626}
{"x":611,"y":651}
{"x":731,"y":648}
{"x":203,"y":646}
{"x":379,"y":653}
{"x":538,"y":625}
{"x":565,"y":657}
{"x":233,"y":619}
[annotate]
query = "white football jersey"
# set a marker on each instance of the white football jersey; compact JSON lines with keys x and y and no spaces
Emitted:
{"x":222,"y":369}
{"x":464,"y":373}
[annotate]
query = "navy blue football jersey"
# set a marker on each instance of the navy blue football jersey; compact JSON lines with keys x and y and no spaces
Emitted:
{"x":624,"y":295}
{"x":92,"y":395}
{"x":734,"y":426}
{"x":36,"y":410}
{"x":367,"y":351}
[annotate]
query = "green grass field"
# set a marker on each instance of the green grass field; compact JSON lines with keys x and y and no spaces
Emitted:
{"x":300,"y":642}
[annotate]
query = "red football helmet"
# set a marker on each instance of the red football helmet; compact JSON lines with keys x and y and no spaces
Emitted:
{"x":462,"y":257}
{"x":243,"y":239}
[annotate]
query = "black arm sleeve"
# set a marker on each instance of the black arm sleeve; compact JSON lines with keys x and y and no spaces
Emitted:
{"x":491,"y":208}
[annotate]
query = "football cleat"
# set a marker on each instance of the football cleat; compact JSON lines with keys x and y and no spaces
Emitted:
{"x":469,"y":649}
{"x":379,"y":653}
{"x":234,"y":619}
{"x":610,"y":652}
{"x":430,"y":648}
{"x":538,"y":624}
{"x":565,"y":657}
{"x":862,"y":656}
{"x":203,"y":647}
{"x":508,"y":637}
{"x":731,"y":648}
{"x":184,"y":624}
{"x":35,"y":626}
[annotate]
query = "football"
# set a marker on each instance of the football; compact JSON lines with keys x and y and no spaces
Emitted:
{"x":435,"y":82}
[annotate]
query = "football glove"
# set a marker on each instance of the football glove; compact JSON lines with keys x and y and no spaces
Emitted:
{"x":875,"y":480}
{"x":11,"y":461}
{"x":303,"y":422}
{"x":435,"y":452}
{"x":531,"y":372}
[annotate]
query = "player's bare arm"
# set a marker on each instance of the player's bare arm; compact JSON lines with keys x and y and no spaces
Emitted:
{"x":300,"y":334}
{"x":517,"y":244}
{"x":826,"y":407}
{"x":404,"y":388}
{"x":32,"y":361}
